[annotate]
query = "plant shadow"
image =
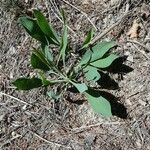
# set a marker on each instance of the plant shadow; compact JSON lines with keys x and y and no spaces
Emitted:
{"x":107,"y":82}
{"x":118,"y":67}
{"x":117,"y":108}
{"x":74,"y":91}
{"x":78,"y":102}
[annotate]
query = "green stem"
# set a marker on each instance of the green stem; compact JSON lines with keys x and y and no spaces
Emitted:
{"x":57,"y":81}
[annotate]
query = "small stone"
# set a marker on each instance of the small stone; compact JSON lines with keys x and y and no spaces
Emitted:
{"x":11,"y":75}
{"x":2,"y":117}
{"x":12,"y":50}
{"x":85,"y":2}
{"x":24,"y":107}
{"x":130,"y":57}
{"x":127,"y":53}
{"x":139,"y":144}
{"x":142,"y":102}
{"x":145,"y":64}
{"x":128,"y":102}
{"x":114,"y":2}
{"x":13,"y":134}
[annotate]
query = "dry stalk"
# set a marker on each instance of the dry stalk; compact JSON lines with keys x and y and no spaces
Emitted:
{"x":101,"y":35}
{"x":49,"y":142}
{"x":19,"y":100}
{"x":140,"y":44}
{"x":84,"y":14}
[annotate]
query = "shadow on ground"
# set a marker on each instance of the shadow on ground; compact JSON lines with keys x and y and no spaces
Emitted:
{"x":118,"y":67}
{"x":117,"y":108}
{"x":107,"y":82}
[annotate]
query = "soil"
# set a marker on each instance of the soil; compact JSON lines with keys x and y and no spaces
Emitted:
{"x":31,"y":120}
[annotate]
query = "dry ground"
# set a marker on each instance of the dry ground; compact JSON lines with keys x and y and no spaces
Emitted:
{"x":30,"y":120}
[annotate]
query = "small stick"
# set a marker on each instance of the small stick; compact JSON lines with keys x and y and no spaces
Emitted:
{"x":84,"y":14}
{"x":140,"y":44}
{"x":80,"y":129}
{"x":98,"y":37}
{"x":141,"y":51}
{"x":111,"y":27}
{"x":19,"y":100}
{"x":71,"y":30}
{"x":49,"y":142}
{"x":9,"y":141}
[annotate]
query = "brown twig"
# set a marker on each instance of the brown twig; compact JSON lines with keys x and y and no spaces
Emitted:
{"x":49,"y":142}
{"x":12,"y":97}
{"x":57,"y":10}
{"x":9,"y":141}
{"x":141,"y":51}
{"x":84,"y":14}
{"x":82,"y":128}
{"x":98,"y":37}
{"x":140,"y":44}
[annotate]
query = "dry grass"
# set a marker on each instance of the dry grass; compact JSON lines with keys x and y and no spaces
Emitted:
{"x":29,"y":120}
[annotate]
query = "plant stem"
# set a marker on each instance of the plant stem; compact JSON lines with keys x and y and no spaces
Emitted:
{"x":58,"y":81}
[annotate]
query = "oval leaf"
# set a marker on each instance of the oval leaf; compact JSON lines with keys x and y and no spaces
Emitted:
{"x":32,"y":28}
{"x":81,"y":87}
{"x":88,"y":38}
{"x":96,"y":52}
{"x":47,"y":52}
{"x":64,"y":44}
{"x":99,"y":105}
{"x":43,"y":58}
{"x":105,"y":62}
{"x":37,"y":63}
{"x":27,"y":84}
{"x":100,"y":49}
{"x":46,"y":27}
{"x":91,"y":73}
{"x":86,"y":58}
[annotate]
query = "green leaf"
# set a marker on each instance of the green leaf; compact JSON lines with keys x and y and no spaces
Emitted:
{"x":37,"y":63}
{"x":45,"y":82}
{"x":64,"y":44}
{"x":27,"y":83}
{"x":32,"y":28}
{"x":43,"y":59}
{"x":105,"y":62}
{"x":91,"y":73}
{"x":47,"y":52}
{"x":81,"y":87}
{"x":100,"y":49}
{"x":53,"y":95}
{"x":62,"y":14}
{"x":99,"y":104}
{"x":88,"y":39}
{"x":86,"y":58}
{"x":96,"y":52}
{"x":46,"y":27}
